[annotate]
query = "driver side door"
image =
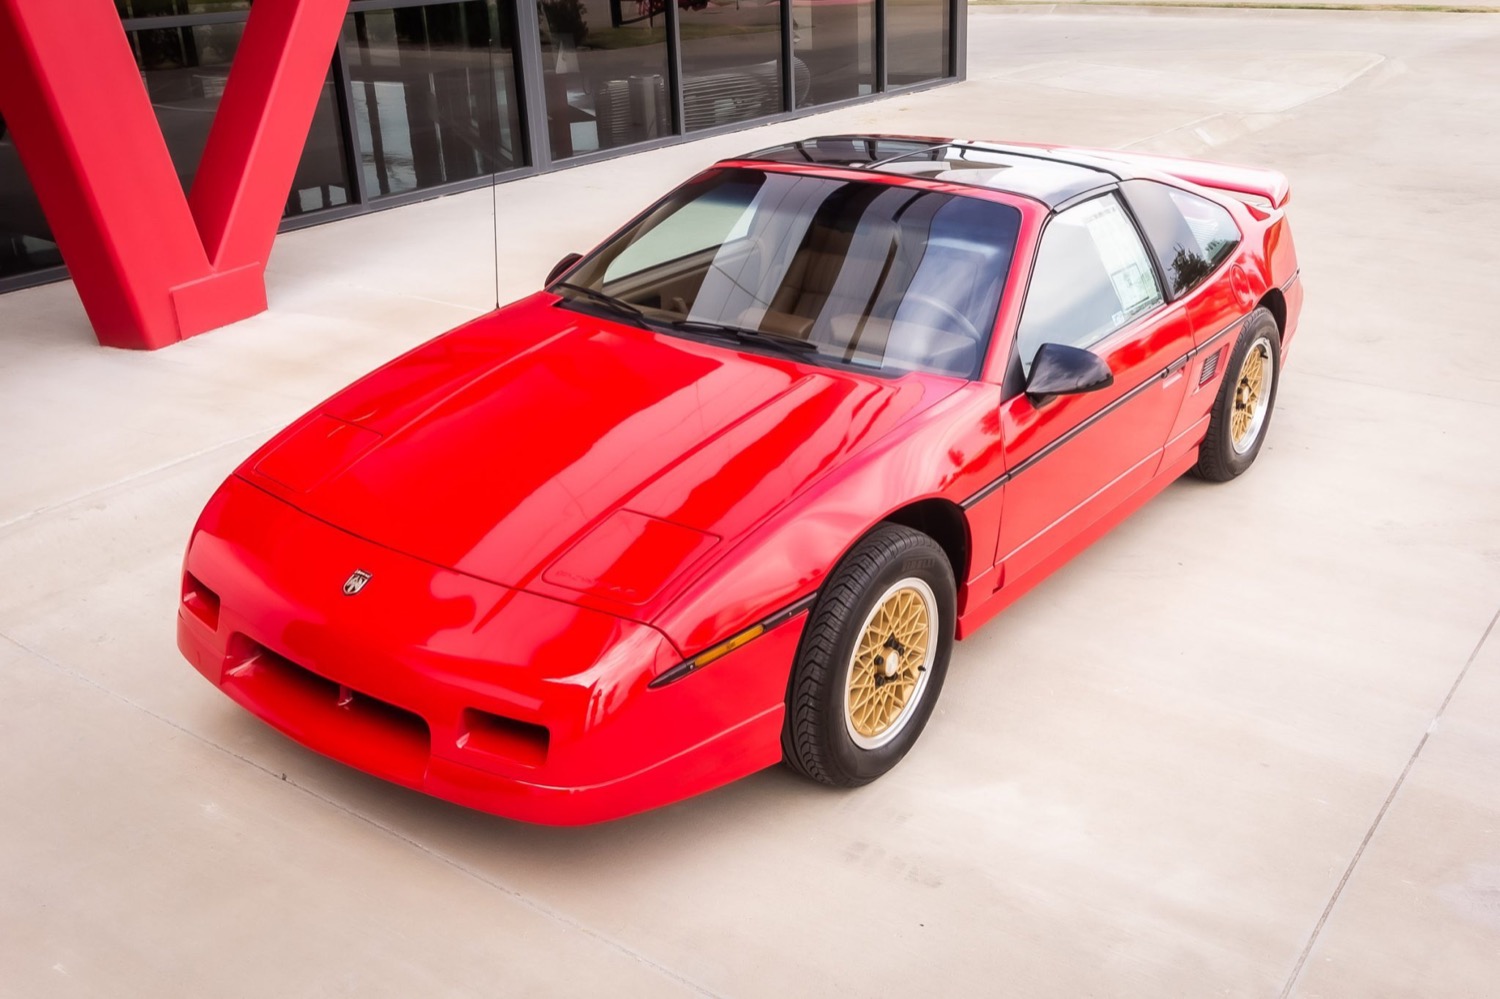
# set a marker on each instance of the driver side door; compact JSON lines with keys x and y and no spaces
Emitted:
{"x":1070,"y":459}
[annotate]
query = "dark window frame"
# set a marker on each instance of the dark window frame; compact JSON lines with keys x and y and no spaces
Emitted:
{"x":1015,"y":374}
{"x":1135,"y":196}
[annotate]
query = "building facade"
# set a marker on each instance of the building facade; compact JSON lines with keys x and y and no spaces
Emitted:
{"x":423,"y":98}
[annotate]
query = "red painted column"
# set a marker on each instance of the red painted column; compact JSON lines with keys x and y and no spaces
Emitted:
{"x":261,"y":126}
{"x":86,"y":134}
{"x":149,"y":269}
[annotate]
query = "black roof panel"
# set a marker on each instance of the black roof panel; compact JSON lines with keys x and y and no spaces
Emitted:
{"x":1051,"y":178}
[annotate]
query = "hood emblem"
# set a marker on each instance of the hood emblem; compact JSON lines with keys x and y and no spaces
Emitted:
{"x":356,"y":582}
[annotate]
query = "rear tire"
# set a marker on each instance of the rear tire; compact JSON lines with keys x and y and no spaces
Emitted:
{"x":872,"y":659}
{"x":1242,"y":410}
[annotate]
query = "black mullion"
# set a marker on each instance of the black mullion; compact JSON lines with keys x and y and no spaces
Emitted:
{"x":788,"y":78}
{"x":372,"y":106}
{"x":958,"y":39}
{"x":674,"y":70}
{"x":528,"y":54}
{"x":348,"y":128}
{"x":880,"y":59}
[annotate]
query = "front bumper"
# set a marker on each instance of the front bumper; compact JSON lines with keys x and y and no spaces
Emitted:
{"x":489,"y":697}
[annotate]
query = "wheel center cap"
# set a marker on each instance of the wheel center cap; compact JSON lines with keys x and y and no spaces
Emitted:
{"x":892,"y":663}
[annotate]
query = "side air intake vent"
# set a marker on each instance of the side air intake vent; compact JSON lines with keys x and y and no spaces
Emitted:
{"x":1210,"y":367}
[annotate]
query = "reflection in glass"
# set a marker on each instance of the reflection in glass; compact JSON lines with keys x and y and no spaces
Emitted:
{"x":605,"y":69}
{"x":869,"y":275}
{"x":916,"y":33}
{"x":731,"y":61}
{"x":165,"y":8}
{"x":835,"y":40}
{"x":428,"y":108}
{"x":25,"y":238}
{"x":185,"y":70}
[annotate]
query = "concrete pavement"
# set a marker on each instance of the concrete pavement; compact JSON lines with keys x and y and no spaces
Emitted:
{"x":1245,"y":745}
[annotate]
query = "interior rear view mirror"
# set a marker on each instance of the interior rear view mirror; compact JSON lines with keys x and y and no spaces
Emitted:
{"x":561,"y":266}
{"x":1058,"y":369}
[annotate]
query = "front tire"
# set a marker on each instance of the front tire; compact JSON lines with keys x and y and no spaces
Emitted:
{"x":1242,"y":410}
{"x":872,"y":659}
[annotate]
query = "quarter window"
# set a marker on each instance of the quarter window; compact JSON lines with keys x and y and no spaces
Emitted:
{"x":1092,"y":276}
{"x":1189,"y":235}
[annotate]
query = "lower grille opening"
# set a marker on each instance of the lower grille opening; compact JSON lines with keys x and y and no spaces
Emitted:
{"x":345,"y":723}
{"x":517,"y":741}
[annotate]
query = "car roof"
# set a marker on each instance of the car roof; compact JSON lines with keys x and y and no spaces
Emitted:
{"x":1052,"y":176}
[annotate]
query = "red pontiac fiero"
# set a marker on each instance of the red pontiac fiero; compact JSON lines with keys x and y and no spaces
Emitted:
{"x":726,"y":492}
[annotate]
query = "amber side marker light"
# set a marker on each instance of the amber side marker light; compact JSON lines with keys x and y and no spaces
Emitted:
{"x":716,"y":652}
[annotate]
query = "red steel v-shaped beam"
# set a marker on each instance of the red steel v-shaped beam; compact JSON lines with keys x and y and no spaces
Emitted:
{"x":152,"y":266}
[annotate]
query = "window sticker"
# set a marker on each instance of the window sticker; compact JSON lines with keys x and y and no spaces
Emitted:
{"x":1123,"y":257}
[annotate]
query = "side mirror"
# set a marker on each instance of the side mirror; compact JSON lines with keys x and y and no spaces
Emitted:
{"x":561,"y":266}
{"x":1058,"y":369}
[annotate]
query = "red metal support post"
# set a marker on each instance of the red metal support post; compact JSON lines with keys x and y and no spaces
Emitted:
{"x":83,"y":126}
{"x":261,"y":126}
{"x":150,"y":270}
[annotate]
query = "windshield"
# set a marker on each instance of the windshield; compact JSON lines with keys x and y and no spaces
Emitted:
{"x":871,"y":275}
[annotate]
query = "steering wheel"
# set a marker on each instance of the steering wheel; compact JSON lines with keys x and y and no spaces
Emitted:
{"x":960,"y":320}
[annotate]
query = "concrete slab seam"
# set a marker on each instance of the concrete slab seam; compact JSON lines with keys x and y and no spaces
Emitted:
{"x":1402,"y":389}
{"x":264,"y":431}
{"x":537,"y":907}
{"x":1333,"y":899}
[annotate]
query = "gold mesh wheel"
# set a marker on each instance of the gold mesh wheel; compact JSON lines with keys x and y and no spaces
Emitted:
{"x":891,"y":663}
{"x":1251,"y":396}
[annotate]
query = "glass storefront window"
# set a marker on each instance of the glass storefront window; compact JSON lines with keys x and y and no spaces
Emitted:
{"x":25,"y":238}
{"x":731,"y":61}
{"x":430,"y":105}
{"x":185,"y":70}
{"x":834,"y":42}
{"x":426,"y":93}
{"x":170,"y":8}
{"x":604,"y":65}
{"x":916,"y":40}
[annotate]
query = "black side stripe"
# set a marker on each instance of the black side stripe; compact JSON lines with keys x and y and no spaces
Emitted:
{"x":1166,"y":372}
{"x":686,"y":668}
{"x":788,"y":612}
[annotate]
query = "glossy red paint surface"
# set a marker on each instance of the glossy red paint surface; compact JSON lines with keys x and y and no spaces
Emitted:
{"x":554,"y":509}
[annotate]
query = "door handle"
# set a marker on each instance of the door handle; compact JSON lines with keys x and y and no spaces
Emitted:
{"x":1175,"y":366}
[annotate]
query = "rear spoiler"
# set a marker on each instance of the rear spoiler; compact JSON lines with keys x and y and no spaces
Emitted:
{"x":1251,"y":182}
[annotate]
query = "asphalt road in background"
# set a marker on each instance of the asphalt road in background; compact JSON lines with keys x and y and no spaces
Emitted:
{"x":1246,"y":745}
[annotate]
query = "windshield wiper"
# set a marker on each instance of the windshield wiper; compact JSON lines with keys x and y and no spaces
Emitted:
{"x":761,"y":338}
{"x":618,"y":306}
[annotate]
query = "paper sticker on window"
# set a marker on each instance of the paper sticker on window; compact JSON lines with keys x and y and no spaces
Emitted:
{"x":1123,"y":257}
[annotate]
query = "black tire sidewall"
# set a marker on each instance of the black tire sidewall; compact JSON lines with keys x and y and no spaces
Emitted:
{"x":853,"y":764}
{"x":1219,"y":460}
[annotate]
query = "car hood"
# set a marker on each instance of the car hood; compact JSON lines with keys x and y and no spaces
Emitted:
{"x":544,"y":449}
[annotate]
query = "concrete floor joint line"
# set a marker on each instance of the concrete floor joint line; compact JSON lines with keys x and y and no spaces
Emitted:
{"x":6,"y":525}
{"x":1333,"y":899}
{"x":518,"y":896}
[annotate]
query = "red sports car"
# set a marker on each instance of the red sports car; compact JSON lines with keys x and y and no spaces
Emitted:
{"x":725,"y":493}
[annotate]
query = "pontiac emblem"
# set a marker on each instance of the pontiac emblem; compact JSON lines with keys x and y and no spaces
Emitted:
{"x":356,"y":582}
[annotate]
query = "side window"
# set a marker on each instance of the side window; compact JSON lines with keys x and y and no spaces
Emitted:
{"x":1091,"y":277}
{"x":1189,"y":235}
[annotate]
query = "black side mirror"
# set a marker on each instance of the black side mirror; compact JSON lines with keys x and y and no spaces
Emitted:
{"x":561,"y":266}
{"x":1058,"y":369}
